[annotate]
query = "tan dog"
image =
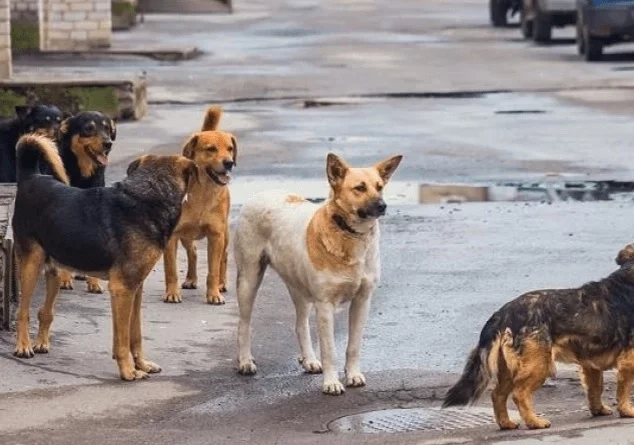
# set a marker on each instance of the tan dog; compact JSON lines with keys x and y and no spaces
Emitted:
{"x":326,"y":255}
{"x":206,"y":211}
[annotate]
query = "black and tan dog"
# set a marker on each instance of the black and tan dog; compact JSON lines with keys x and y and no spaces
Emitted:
{"x":206,"y":212}
{"x":40,"y":119}
{"x":115,"y":233}
{"x":592,"y":326}
{"x":85,"y":141}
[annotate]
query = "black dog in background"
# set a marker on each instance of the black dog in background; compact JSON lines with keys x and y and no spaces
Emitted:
{"x":84,"y":143}
{"x":42,"y":119}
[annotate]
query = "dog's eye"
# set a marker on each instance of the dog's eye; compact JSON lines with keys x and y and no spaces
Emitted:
{"x":230,"y":149}
{"x":361,"y":188}
{"x":379,"y":187}
{"x":48,"y":118}
{"x":212,"y":149}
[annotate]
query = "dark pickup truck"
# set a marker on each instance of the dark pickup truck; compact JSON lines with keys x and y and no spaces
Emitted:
{"x":601,"y":23}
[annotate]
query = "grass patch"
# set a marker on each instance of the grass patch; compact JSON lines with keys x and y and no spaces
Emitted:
{"x":25,"y":36}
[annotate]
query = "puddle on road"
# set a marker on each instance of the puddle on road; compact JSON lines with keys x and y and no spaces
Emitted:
{"x":412,"y":192}
{"x":546,"y":191}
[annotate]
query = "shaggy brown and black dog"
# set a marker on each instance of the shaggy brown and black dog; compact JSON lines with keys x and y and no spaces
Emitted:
{"x":115,"y":233}
{"x":592,"y":326}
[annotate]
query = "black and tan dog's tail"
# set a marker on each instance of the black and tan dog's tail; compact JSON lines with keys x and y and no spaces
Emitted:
{"x":31,"y":148}
{"x":212,"y":118}
{"x":481,"y":365}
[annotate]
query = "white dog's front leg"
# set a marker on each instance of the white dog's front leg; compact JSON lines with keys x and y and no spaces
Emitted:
{"x":325,"y":322}
{"x":357,"y":318}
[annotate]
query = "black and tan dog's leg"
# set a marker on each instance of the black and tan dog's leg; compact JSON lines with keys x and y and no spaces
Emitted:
{"x":535,"y":365}
{"x":172,"y":293}
{"x":47,"y":311}
{"x":65,"y":279}
{"x":625,"y":367}
{"x":215,"y":253}
{"x":30,"y":265}
{"x":122,"y":300}
{"x":223,"y":264}
{"x":592,"y":380}
{"x":136,"y":338}
{"x":191,"y":280}
{"x":93,"y":286}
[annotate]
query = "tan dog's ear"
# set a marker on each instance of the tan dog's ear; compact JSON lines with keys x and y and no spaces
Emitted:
{"x":190,"y":145}
{"x":387,"y":167}
{"x":113,"y":130}
{"x":191,"y":173}
{"x":625,"y":255}
{"x":235,"y":150}
{"x":134,"y":165}
{"x":336,"y":168}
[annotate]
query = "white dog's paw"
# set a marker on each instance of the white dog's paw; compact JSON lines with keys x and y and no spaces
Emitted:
{"x":247,"y":367}
{"x":355,"y":380}
{"x":311,"y":366}
{"x":333,"y":388}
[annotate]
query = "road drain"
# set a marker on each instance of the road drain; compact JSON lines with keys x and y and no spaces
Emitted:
{"x":520,"y":112}
{"x":547,"y":191}
{"x":414,"y":419}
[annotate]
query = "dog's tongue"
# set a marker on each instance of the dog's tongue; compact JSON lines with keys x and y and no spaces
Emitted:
{"x":103,"y":159}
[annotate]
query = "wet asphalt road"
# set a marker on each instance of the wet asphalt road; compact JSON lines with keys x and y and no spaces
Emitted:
{"x":445,"y":267}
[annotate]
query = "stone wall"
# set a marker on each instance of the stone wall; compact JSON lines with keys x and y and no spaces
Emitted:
{"x":5,"y":39}
{"x":75,"y":25}
{"x":24,"y":10}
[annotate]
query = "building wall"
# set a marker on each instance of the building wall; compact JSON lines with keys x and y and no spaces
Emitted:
{"x":24,"y":10}
{"x":5,"y":39}
{"x":75,"y":25}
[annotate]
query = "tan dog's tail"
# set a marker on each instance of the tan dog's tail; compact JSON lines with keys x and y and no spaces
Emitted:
{"x":30,"y":149}
{"x":212,"y":118}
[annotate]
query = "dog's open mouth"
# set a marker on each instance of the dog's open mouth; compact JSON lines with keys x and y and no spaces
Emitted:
{"x":219,"y":178}
{"x":99,"y":158}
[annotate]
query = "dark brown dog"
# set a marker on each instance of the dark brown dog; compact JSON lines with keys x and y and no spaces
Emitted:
{"x":206,"y":212}
{"x":591,"y":326}
{"x":115,"y":233}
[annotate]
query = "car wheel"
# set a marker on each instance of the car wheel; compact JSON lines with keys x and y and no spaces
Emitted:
{"x":581,"y":42}
{"x":498,"y":10}
{"x":542,"y":27}
{"x":593,"y":47}
{"x":526,"y":25}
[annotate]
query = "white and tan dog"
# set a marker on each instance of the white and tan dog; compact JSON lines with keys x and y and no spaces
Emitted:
{"x":326,"y":255}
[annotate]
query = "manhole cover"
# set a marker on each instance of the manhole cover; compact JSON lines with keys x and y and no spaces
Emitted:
{"x":414,"y":419}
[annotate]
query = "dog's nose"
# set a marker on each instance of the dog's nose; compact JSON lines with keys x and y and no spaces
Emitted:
{"x":107,"y":144}
{"x":381,"y":206}
{"x":227,"y":164}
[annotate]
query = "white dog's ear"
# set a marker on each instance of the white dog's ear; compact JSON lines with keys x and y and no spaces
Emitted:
{"x":336,"y":168}
{"x":387,"y":167}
